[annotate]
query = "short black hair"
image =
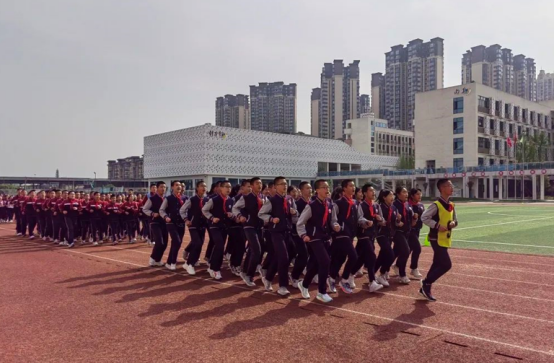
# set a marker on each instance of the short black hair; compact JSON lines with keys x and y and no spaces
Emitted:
{"x":153,"y":185}
{"x":270,"y":184}
{"x":337,"y":193}
{"x":414,"y":191}
{"x":254,"y":179}
{"x":441,"y":182}
{"x":264,"y":187}
{"x":317,"y":183}
{"x":304,"y":183}
{"x":200,"y":182}
{"x":244,"y":182}
{"x":291,"y":188}
{"x":175,"y":181}
{"x":398,"y":190}
{"x":345,"y":183}
{"x":31,"y":191}
{"x":96,"y":193}
{"x":278,"y":178}
{"x":224,"y":182}
{"x":366,"y":187}
{"x":160,"y":183}
{"x":383,"y":194}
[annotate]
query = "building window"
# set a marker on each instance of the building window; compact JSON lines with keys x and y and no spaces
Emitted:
{"x":458,"y":105}
{"x":458,"y":145}
{"x":459,"y":125}
{"x":458,"y":162}
{"x":480,"y":161}
{"x":481,"y":121}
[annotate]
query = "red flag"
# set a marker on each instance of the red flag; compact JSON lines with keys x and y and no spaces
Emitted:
{"x":509,"y":141}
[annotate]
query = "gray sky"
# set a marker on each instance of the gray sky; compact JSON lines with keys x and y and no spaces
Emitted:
{"x":83,"y":81}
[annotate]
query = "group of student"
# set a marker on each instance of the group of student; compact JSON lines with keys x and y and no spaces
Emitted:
{"x":66,"y":217}
{"x":267,"y":229}
{"x":260,"y":229}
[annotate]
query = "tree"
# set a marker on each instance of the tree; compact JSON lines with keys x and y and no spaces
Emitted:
{"x":541,"y":144}
{"x":405,"y":162}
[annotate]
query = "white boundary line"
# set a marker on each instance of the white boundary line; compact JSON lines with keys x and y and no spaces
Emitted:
{"x":495,"y":292}
{"x":503,"y":223}
{"x":494,"y":243}
{"x":550,"y":353}
{"x":496,"y":268}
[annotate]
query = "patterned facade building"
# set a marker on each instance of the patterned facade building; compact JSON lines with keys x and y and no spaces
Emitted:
{"x":213,"y":153}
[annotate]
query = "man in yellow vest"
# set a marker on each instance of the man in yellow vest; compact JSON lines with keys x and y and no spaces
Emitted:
{"x":440,"y":217}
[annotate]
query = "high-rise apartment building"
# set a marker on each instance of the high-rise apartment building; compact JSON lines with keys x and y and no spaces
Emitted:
{"x":498,"y":68}
{"x":378,"y":95}
{"x":315,"y":107}
{"x":339,"y":96}
{"x":232,"y":111}
{"x":418,"y":67}
{"x":273,"y":107}
{"x":128,"y":168}
{"x":364,"y":104}
{"x":545,"y":86}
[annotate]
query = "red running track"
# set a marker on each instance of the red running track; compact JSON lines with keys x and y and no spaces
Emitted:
{"x":103,"y":304}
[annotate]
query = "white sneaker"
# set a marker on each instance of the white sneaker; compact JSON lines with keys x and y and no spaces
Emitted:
{"x":171,"y":266}
{"x":61,"y":243}
{"x":324,"y":298}
{"x":212,"y":273}
{"x":133,"y":240}
{"x":189,"y":269}
{"x":227,"y":257}
{"x":44,"y":238}
{"x":153,"y":263}
{"x":351,"y":282}
{"x":32,"y":237}
{"x":293,"y":282}
{"x":360,"y":273}
{"x":263,"y":272}
{"x":19,"y":234}
{"x":305,"y":293}
{"x":404,"y":280}
{"x":416,"y":274}
{"x":283,"y":291}
{"x":91,"y":239}
{"x":95,"y":243}
{"x":267,"y":284}
{"x":247,"y":279}
{"x":396,"y":270}
{"x":56,"y":241}
{"x":332,"y":285}
{"x":374,"y":286}
{"x":315,"y":280}
{"x":387,"y":276}
{"x":217,"y":275}
{"x":382,"y":280}
{"x":197,"y":264}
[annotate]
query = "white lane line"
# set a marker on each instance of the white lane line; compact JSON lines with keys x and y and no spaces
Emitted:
{"x":515,"y":215}
{"x":456,"y":255}
{"x":496,"y":268}
{"x":495,"y":243}
{"x":495,"y":292}
{"x":503,"y":223}
{"x":474,"y":337}
{"x":550,"y":353}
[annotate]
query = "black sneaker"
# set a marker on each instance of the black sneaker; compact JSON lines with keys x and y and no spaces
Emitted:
{"x":425,"y":291}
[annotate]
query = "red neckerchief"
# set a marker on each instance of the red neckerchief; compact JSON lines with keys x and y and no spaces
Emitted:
{"x":224,"y":203}
{"x":390,"y":214}
{"x":450,"y":205}
{"x":260,"y":202}
{"x":326,"y":213}
{"x":413,"y":204}
{"x":371,"y":211}
{"x":285,"y":205}
{"x":350,"y":205}
{"x":201,"y":201}
{"x":180,"y":199}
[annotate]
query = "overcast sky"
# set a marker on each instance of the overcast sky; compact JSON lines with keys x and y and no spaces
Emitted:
{"x":83,"y":81}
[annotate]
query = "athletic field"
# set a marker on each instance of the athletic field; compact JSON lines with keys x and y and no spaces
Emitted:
{"x":103,"y":304}
{"x":510,"y":227}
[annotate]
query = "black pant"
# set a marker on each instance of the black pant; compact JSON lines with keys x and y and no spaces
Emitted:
{"x":280,"y":261}
{"x":254,"y":251}
{"x":319,"y":264}
{"x":42,"y":223}
{"x":176,"y":232}
{"x":49,"y":225}
{"x":366,"y":256}
{"x":131,"y":227}
{"x":402,"y":252}
{"x":30,"y":223}
{"x":195,"y":246}
{"x":342,"y":248}
{"x":441,"y":263}
{"x":291,"y":247}
{"x":145,"y":228}
{"x":20,"y":221}
{"x":218,"y":235}
{"x":97,"y":232}
{"x":159,"y":233}
{"x":114,"y":229}
{"x":70,"y":222}
{"x":415,"y":247}
{"x":210,"y":247}
{"x":386,"y":254}
{"x":301,"y":259}
{"x":268,"y":248}
{"x":57,"y":223}
{"x":85,"y":228}
{"x":238,"y":247}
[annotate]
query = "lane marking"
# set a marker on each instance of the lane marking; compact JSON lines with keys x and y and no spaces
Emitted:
{"x":495,"y":292}
{"x":496,"y":268}
{"x":495,"y":243}
{"x":550,"y":353}
{"x":503,"y":223}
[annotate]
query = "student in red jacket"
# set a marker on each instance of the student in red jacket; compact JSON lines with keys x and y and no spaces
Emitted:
{"x":96,"y":211}
{"x":30,"y":214}
{"x":41,"y":214}
{"x":70,"y":210}
{"x":130,"y":211}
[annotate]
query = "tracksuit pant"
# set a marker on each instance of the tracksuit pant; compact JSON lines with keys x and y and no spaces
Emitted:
{"x":280,"y":261}
{"x":176,"y":232}
{"x":401,"y":251}
{"x":30,"y":224}
{"x":441,"y":263}
{"x":218,"y":235}
{"x":97,"y":232}
{"x":386,"y":255}
{"x":342,"y":248}
{"x":238,"y":245}
{"x":195,"y":246}
{"x":301,"y":260}
{"x":366,"y":256}
{"x":319,"y":264}
{"x":253,"y":257}
{"x":70,"y":222}
{"x":415,"y":247}
{"x":159,"y":233}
